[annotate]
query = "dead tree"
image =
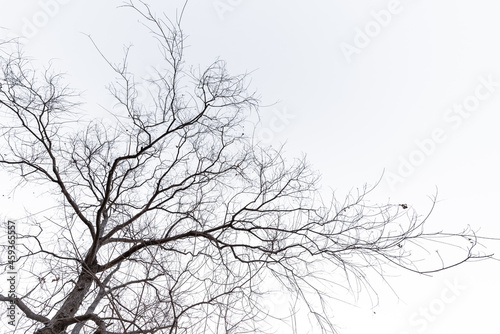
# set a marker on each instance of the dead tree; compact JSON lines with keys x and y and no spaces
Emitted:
{"x":170,"y":217}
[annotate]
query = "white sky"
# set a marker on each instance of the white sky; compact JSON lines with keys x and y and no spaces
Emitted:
{"x":354,"y":114}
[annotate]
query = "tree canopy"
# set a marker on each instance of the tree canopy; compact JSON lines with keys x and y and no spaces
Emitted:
{"x":172,"y":217}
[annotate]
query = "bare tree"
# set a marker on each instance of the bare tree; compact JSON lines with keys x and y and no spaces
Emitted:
{"x":171,"y":218}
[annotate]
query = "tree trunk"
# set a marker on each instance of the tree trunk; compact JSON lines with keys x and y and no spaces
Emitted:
{"x":64,"y":317}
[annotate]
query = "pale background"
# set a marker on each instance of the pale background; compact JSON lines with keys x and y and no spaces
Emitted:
{"x":354,"y":116}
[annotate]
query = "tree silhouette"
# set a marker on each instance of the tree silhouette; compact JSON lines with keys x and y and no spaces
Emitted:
{"x":171,"y":218}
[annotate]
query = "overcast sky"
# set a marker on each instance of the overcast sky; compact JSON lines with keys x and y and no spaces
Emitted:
{"x":409,"y":87}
